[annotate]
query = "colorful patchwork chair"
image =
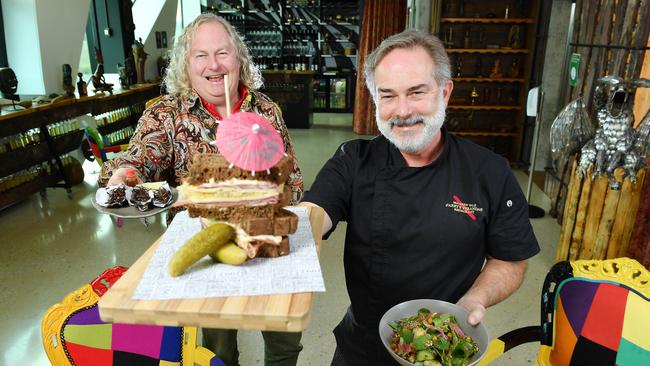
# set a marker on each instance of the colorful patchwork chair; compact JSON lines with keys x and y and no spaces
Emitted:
{"x":99,"y":148}
{"x":74,"y":335}
{"x":593,"y":313}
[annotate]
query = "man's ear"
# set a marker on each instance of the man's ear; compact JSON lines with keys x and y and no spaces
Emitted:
{"x":449,"y":86}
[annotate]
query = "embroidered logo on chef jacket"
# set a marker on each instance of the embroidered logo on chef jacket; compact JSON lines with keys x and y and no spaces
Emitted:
{"x":464,"y":207}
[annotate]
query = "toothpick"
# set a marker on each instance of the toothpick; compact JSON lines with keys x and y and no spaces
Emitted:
{"x":226,"y":85}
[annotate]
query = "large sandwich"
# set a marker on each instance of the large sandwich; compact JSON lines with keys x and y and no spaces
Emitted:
{"x":249,"y":202}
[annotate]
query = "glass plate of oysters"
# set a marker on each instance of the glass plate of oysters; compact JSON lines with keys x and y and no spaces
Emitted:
{"x":143,"y":200}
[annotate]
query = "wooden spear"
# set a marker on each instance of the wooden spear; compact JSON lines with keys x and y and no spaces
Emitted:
{"x":631,"y":217}
{"x":579,"y":228}
{"x":569,"y":216}
{"x":622,"y":212}
{"x":594,"y":211}
{"x":607,"y":218}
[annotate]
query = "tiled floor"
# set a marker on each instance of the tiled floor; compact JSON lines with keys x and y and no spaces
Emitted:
{"x":52,"y":246}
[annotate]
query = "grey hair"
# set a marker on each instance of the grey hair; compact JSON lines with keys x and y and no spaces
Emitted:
{"x":177,"y":79}
{"x":408,"y":39}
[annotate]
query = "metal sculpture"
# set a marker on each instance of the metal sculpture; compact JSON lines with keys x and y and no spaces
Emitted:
{"x":616,"y":143}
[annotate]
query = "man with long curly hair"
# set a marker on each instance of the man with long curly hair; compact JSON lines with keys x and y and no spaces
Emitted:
{"x":184,"y":122}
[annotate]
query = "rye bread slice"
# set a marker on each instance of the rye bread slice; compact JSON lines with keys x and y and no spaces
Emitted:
{"x":233,"y":214}
{"x":214,"y":166}
{"x":281,"y":223}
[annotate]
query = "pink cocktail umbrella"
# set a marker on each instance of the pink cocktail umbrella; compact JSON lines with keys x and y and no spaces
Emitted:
{"x":249,"y":141}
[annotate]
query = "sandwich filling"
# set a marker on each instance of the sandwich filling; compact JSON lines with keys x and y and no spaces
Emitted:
{"x":232,"y":192}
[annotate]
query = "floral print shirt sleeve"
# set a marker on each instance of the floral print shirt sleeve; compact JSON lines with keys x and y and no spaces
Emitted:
{"x":175,"y":128}
{"x":150,"y":148}
{"x":168,"y":135}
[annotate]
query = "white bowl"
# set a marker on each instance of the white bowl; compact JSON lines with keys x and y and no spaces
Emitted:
{"x":409,"y":308}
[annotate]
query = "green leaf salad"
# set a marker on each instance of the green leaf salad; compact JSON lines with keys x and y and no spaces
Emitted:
{"x":432,"y":339}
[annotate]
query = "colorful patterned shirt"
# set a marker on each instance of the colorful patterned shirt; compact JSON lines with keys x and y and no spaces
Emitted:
{"x":175,"y":128}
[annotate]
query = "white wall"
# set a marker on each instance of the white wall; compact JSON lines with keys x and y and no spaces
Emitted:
{"x":23,"y":44}
{"x":191,"y":9}
{"x":145,"y":13}
{"x":61,"y":36}
{"x":41,"y":36}
{"x":163,"y":20}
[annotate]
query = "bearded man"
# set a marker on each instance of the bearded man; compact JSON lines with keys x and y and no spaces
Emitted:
{"x":429,"y":214}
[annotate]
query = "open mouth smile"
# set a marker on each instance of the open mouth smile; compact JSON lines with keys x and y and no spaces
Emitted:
{"x":406,"y":124}
{"x":214,"y":78}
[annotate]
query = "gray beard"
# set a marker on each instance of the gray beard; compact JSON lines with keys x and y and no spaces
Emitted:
{"x":413,"y":143}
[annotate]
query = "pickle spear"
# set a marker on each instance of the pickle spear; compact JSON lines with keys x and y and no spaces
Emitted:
{"x":201,"y":244}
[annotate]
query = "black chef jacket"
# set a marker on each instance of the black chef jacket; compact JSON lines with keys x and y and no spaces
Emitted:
{"x":416,"y":232}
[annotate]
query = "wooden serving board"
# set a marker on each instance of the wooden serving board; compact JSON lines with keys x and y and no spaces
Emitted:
{"x":283,"y":312}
